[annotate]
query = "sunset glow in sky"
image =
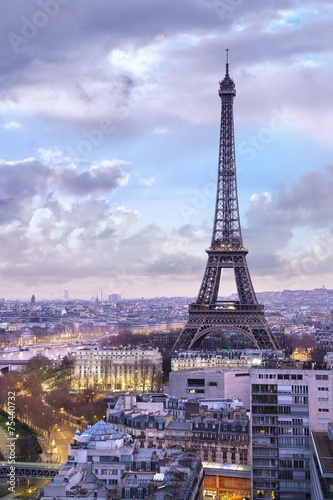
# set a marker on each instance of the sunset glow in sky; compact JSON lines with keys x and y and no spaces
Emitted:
{"x":109,"y":133}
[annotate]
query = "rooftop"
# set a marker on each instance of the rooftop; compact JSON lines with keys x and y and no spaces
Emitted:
{"x":324,"y":452}
{"x":99,"y":432}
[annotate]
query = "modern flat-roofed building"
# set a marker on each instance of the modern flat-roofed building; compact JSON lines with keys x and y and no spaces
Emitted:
{"x":288,"y":401}
{"x":322,"y":464}
{"x":211,"y":383}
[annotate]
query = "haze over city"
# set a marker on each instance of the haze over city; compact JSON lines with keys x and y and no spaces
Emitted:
{"x":110,"y":125}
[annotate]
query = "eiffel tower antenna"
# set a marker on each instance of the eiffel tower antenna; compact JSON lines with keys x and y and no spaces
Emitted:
{"x":207,"y":314}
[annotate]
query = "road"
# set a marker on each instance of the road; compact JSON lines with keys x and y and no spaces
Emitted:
{"x":62,"y":435}
{"x":23,"y":490}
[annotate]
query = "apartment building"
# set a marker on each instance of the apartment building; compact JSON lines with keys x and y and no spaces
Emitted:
{"x":321,"y":447}
{"x":118,"y":369}
{"x":288,"y":401}
{"x":225,"y":440}
{"x":181,"y":476}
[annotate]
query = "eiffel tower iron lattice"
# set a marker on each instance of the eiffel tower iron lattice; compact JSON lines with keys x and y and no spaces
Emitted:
{"x":208,"y":314}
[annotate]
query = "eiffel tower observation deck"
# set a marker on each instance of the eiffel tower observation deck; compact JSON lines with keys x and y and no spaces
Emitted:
{"x":208,"y":314}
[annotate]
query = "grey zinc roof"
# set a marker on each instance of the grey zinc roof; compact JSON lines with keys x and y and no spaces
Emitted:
{"x":180,"y":426}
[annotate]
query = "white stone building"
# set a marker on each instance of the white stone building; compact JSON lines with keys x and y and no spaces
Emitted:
{"x":118,"y":370}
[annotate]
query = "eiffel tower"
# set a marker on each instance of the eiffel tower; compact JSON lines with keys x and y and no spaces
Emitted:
{"x":208,"y":314}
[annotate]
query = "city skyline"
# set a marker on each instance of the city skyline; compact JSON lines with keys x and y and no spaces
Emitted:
{"x":110,"y":126}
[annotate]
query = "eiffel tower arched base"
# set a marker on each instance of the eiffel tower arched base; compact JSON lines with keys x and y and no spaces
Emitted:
{"x":247,"y":320}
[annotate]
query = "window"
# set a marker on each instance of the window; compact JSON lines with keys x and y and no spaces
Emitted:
{"x":212,"y":384}
{"x":321,"y":377}
{"x":323,"y":410}
{"x":198,"y":382}
{"x":322,"y":388}
{"x":300,"y":389}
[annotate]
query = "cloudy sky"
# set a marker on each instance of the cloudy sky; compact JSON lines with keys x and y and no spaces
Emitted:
{"x":109,"y":133}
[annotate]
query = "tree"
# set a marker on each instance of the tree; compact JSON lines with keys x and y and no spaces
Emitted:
{"x":38,"y":362}
{"x":318,"y":353}
{"x":59,"y":399}
{"x":46,"y":420}
{"x":10,"y":382}
{"x":88,"y":395}
{"x":32,"y":385}
{"x":67,"y":361}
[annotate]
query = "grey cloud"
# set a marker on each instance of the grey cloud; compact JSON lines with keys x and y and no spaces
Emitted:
{"x":9,"y":210}
{"x":28,"y":178}
{"x":309,"y":201}
{"x":178,"y":264}
{"x":69,"y":53}
{"x":97,"y":180}
{"x":23,"y":179}
{"x":271,"y":221}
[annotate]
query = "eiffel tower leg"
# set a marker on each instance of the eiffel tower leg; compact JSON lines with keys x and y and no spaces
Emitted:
{"x":252,"y":325}
{"x":244,"y":285}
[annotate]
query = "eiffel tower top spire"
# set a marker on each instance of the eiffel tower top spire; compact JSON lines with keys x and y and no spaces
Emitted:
{"x":227,"y":85}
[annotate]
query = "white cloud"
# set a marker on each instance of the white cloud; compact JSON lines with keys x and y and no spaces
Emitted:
{"x":160,"y":130}
{"x":147,"y":182}
{"x":12,"y":125}
{"x":265,"y":198}
{"x":42,"y":217}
